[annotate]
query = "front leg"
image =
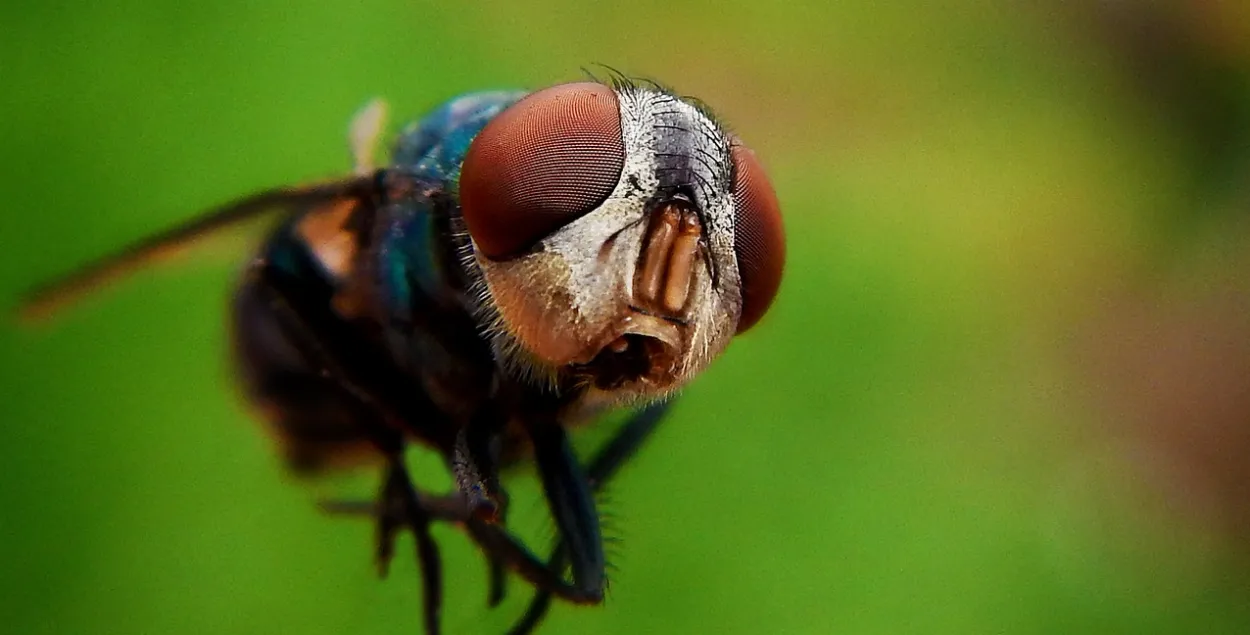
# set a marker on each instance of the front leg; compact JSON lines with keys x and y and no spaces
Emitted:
{"x":570,"y":500}
{"x":474,"y":465}
{"x":502,"y":548}
{"x":608,"y":460}
{"x":568,"y":493}
{"x":547,"y":577}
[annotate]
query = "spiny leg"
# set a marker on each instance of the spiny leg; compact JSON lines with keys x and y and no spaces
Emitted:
{"x":607,"y":461}
{"x":474,"y":464}
{"x":501,"y":546}
{"x":486,"y":501}
{"x":490,"y":509}
{"x":568,"y":493}
{"x":547,"y":577}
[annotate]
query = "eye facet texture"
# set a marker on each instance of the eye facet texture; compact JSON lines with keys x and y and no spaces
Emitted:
{"x":759,"y":237}
{"x":544,"y":162}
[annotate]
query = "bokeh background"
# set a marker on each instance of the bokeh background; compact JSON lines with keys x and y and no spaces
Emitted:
{"x":1004,"y":389}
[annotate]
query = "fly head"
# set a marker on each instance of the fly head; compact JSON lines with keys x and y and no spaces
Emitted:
{"x":622,"y":238}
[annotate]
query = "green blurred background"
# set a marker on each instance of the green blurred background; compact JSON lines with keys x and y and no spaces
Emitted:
{"x":1004,"y":389}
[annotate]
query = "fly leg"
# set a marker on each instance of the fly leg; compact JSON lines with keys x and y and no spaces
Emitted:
{"x":305,"y":325}
{"x":568,"y":493}
{"x":568,"y":490}
{"x":503,"y":549}
{"x":607,"y":461}
{"x":401,"y":507}
{"x":569,"y":497}
{"x":474,"y":464}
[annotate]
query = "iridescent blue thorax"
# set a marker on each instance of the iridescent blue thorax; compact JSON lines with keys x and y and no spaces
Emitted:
{"x":415,"y":250}
{"x":415,"y":253}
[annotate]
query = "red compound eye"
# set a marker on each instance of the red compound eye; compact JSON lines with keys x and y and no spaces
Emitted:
{"x":759,"y":238}
{"x":542,"y":163}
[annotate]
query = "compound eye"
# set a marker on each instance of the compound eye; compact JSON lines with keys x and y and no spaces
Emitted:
{"x":542,"y":163}
{"x":759,"y":237}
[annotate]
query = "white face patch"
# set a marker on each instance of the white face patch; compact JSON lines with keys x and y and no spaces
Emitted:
{"x":561,"y":304}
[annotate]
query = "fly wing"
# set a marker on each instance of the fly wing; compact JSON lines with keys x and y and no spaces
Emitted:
{"x":45,"y":299}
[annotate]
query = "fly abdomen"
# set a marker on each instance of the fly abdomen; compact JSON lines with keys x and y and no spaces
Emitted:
{"x":318,"y":423}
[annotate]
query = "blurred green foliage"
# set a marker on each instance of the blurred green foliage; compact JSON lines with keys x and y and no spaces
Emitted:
{"x":901,"y":447}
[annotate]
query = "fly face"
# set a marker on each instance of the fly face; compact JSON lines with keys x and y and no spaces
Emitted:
{"x":622,"y":238}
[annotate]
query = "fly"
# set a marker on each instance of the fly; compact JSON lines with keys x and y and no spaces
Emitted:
{"x":524,"y":263}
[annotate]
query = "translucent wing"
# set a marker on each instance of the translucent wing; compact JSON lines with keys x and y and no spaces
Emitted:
{"x":45,"y":299}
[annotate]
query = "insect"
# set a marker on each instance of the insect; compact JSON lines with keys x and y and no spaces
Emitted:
{"x":522,"y":264}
